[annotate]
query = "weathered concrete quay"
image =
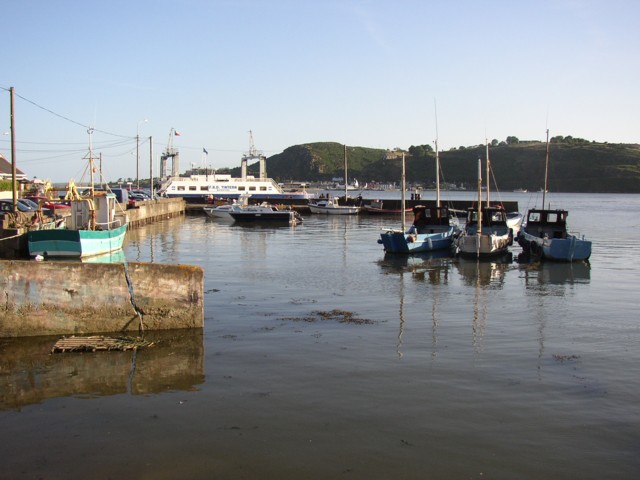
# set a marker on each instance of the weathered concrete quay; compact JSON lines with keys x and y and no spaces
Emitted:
{"x":148,"y":211}
{"x":73,"y":298}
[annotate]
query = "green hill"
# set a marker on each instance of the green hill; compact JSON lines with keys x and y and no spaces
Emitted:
{"x":575,"y":165}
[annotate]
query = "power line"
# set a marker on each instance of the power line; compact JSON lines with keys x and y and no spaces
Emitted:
{"x":64,"y":117}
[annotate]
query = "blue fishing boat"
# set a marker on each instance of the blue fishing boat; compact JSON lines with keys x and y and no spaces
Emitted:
{"x":544,"y":234}
{"x":432,"y":227}
{"x":431,"y":230}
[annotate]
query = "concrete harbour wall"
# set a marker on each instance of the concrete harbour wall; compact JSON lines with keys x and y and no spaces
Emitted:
{"x":152,"y":210}
{"x":65,"y":298}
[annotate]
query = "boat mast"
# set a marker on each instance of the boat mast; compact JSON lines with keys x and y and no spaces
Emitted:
{"x":345,"y":173}
{"x":488,"y":174}
{"x":479,"y":229}
{"x":546,"y":172}
{"x":403,"y":194}
{"x":92,"y":222}
{"x":90,"y":132}
{"x":437,"y":160}
{"x":437,"y":176}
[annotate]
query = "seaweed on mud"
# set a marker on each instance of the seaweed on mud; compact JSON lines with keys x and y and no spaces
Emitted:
{"x":565,"y":358}
{"x":340,"y":316}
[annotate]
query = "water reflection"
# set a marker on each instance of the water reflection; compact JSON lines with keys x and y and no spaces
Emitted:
{"x":30,"y":374}
{"x":555,"y":273}
{"x":110,"y":257}
{"x":156,"y":241}
{"x":262,"y":225}
{"x":485,"y":272}
{"x":483,"y":276}
{"x":433,"y":267}
{"x":546,"y":288}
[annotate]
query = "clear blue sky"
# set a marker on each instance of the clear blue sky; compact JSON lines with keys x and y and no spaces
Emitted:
{"x":364,"y":73}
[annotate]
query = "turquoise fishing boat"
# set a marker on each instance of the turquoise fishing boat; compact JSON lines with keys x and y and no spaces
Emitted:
{"x":93,"y":228}
{"x":97,"y":225}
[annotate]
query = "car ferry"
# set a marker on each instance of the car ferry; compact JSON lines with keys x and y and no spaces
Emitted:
{"x":204,"y":188}
{"x":199,"y":188}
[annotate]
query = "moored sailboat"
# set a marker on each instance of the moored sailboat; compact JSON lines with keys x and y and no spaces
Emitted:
{"x":486,"y":233}
{"x":331,"y":206}
{"x":545,"y":235}
{"x":432,"y":228}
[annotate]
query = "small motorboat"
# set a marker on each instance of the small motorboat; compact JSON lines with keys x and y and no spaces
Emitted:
{"x":265,"y":213}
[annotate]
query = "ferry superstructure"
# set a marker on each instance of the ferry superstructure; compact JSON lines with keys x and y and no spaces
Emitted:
{"x":213,"y":186}
{"x":224,"y":186}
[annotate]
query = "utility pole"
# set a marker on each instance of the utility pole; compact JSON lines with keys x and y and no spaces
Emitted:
{"x":138,"y":159}
{"x":14,"y":185}
{"x":138,"y":152}
{"x":151,"y":166}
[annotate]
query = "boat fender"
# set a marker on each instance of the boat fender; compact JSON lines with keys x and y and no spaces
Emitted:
{"x":510,"y":236}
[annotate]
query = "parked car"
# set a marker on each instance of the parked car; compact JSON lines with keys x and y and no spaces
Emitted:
{"x":140,"y":193}
{"x":48,"y":203}
{"x":138,"y":196}
{"x":122,"y":194}
{"x":29,"y":203}
{"x":7,"y":206}
{"x":33,"y":204}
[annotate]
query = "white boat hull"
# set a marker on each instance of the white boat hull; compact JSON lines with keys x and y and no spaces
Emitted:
{"x":334,"y":210}
{"x":483,"y":246}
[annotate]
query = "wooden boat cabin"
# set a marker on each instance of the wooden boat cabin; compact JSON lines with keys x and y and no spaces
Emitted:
{"x":547,"y":223}
{"x":492,"y":218}
{"x":427,"y":219}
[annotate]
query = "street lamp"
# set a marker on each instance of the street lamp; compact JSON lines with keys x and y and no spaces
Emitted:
{"x":138,"y":151}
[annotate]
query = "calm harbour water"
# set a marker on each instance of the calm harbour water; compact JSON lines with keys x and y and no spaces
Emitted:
{"x":443,"y":369}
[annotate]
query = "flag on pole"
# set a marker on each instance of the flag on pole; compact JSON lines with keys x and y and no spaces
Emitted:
{"x":204,"y":150}
{"x":176,"y":133}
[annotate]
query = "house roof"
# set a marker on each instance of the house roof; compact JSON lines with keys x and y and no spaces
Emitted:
{"x":5,"y":168}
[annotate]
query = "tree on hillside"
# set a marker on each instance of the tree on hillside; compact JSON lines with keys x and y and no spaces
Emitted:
{"x":420,"y":151}
{"x":568,"y":140}
{"x":511,"y":140}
